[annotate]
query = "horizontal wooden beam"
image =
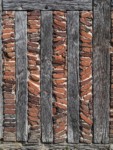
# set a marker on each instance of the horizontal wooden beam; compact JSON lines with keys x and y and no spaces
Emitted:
{"x":47,"y":5}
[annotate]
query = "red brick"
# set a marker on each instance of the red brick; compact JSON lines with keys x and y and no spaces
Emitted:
{"x":86,"y":35}
{"x":10,"y":101}
{"x":60,"y":128}
{"x":34,"y":119}
{"x":60,"y":90}
{"x":86,"y":14}
{"x":60,"y":75}
{"x":10,"y":129}
{"x":12,"y":106}
{"x":61,"y":101}
{"x":86,"y":62}
{"x":9,"y":111}
{"x":60,"y":23}
{"x":87,"y":120}
{"x":59,"y":13}
{"x":9,"y":96}
{"x":59,"y":105}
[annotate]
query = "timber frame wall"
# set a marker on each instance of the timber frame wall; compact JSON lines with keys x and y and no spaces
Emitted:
{"x":56,"y":78}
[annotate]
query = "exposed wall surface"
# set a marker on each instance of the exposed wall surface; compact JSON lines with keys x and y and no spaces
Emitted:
{"x":34,"y":76}
{"x":86,"y":101}
{"x":9,"y":82}
{"x":57,"y":115}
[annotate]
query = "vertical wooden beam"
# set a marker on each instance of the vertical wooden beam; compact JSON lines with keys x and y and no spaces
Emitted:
{"x":1,"y":97}
{"x":101,"y":70}
{"x":21,"y":74}
{"x":73,"y":76}
{"x":46,"y":76}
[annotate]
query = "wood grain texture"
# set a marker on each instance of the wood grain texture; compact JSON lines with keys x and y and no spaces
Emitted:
{"x":73,"y":76}
{"x":1,"y":62}
{"x":111,"y":3}
{"x":101,"y":70}
{"x":46,"y":76}
{"x":21,"y":74}
{"x":47,"y":5}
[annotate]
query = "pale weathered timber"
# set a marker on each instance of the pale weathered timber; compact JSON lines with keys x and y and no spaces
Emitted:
{"x":111,"y":3}
{"x":46,"y":76}
{"x":1,"y":96}
{"x":73,"y":76}
{"x":101,"y":70}
{"x":63,"y":146}
{"x":47,"y":5}
{"x":21,"y":74}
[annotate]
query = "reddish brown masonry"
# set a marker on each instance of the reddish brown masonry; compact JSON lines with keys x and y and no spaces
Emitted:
{"x":34,"y":76}
{"x":59,"y":76}
{"x":86,"y":105}
{"x":8,"y":39}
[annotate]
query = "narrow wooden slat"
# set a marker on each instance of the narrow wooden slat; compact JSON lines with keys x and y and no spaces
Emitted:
{"x":47,"y":5}
{"x":1,"y":97}
{"x":46,"y":76}
{"x":111,"y":3}
{"x":101,"y":70}
{"x":73,"y":76}
{"x":21,"y":74}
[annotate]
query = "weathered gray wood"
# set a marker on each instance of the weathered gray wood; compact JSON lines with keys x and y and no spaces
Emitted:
{"x":59,"y":146}
{"x":47,"y":5}
{"x":21,"y":74}
{"x":101,"y":70}
{"x":46,"y":76}
{"x":1,"y":97}
{"x":112,"y":3}
{"x":73,"y":76}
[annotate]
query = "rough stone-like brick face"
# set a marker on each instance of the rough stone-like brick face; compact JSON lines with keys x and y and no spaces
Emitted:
{"x":59,"y":77}
{"x":86,"y":120}
{"x":9,"y":96}
{"x":34,"y":76}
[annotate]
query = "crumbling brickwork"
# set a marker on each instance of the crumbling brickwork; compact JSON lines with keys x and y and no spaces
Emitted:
{"x":86,"y":104}
{"x":9,"y":83}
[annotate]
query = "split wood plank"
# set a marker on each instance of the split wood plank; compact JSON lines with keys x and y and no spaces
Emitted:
{"x":21,"y":74}
{"x":73,"y":76}
{"x":46,"y":76}
{"x":47,"y":5}
{"x":101,"y":70}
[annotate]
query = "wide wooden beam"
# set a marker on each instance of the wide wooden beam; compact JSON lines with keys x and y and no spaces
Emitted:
{"x":21,"y":74}
{"x":47,"y":5}
{"x":46,"y":76}
{"x":73,"y":76}
{"x":1,"y":97}
{"x":101,"y":70}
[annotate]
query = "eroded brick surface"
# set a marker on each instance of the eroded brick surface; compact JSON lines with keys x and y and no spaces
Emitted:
{"x":59,"y":77}
{"x":86,"y":119}
{"x":9,"y":95}
{"x":34,"y":75}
